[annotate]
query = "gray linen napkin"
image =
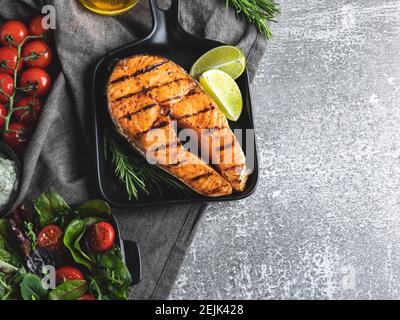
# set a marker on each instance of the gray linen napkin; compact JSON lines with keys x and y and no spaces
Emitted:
{"x":60,"y":155}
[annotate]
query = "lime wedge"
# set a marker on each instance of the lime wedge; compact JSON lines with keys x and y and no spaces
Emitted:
{"x":226,"y":58}
{"x":225,"y":91}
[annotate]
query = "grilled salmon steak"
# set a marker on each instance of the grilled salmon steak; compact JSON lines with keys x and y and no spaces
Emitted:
{"x":147,"y":95}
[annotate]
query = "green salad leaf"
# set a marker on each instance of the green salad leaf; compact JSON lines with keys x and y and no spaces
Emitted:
{"x":4,"y":288}
{"x":69,"y":290}
{"x":7,"y":268}
{"x":94,"y":208}
{"x":89,"y":221}
{"x":31,"y":234}
{"x":108,"y":279}
{"x":94,"y":289}
{"x":9,"y":262}
{"x":10,"y":284}
{"x":52,"y":209}
{"x":32,"y":288}
{"x":112,"y":274}
{"x":7,"y":291}
{"x":94,"y":211}
{"x":5,"y":230}
{"x":72,"y":237}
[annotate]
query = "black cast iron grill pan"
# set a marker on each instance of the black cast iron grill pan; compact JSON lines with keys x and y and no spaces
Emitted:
{"x":167,"y":39}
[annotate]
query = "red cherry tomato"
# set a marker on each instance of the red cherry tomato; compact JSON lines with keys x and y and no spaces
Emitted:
{"x":29,"y":117}
{"x":36,"y":27}
{"x":17,"y":137}
{"x":13,"y":32}
{"x":87,"y":297}
{"x":51,"y":237}
{"x":35,"y":81}
{"x":3,"y":113}
{"x":101,"y":237}
{"x":41,"y":52}
{"x":8,"y":60}
{"x":68,"y":273}
{"x":7,"y":85}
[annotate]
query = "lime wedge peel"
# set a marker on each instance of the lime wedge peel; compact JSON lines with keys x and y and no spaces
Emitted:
{"x":225,"y":58}
{"x":225,"y":92}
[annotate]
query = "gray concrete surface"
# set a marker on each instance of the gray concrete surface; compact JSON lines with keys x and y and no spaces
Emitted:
{"x":325,"y":221}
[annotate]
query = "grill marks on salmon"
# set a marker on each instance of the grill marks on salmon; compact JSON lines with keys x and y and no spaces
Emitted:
{"x":145,"y":93}
{"x":152,"y":133}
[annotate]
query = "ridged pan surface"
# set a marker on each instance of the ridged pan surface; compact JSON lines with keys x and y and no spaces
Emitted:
{"x":167,"y":39}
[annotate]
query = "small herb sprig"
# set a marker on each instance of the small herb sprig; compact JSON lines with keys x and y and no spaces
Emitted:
{"x":137,"y":174}
{"x":30,"y":232}
{"x":258,"y":12}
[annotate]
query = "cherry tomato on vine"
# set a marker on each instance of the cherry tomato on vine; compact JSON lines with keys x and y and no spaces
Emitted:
{"x":36,"y":27}
{"x":40,"y":52}
{"x":68,"y":273}
{"x":101,"y":237}
{"x":87,"y":297}
{"x":6,"y":85}
{"x":17,"y":137}
{"x":8,"y":60}
{"x":3,"y":113}
{"x":30,"y":116}
{"x":35,"y":81}
{"x":13,"y":32}
{"x":51,"y":237}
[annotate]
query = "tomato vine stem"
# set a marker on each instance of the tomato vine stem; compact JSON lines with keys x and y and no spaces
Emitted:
{"x":11,"y":108}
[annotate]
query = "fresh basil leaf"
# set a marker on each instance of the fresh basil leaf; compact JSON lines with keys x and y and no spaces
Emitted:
{"x":9,"y":262}
{"x":32,"y":288}
{"x":4,"y":254}
{"x":5,"y":230}
{"x":7,"y":268}
{"x":8,"y":257}
{"x":44,"y":210}
{"x":7,"y":288}
{"x":51,"y":208}
{"x":121,"y":293}
{"x":3,"y":286}
{"x":73,"y":235}
{"x":112,"y":274}
{"x":3,"y":243}
{"x":92,"y":220}
{"x":94,"y":289}
{"x":94,"y":208}
{"x":58,"y":204}
{"x":69,"y":290}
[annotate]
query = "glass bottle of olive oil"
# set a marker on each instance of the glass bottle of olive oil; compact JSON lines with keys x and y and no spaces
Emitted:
{"x":109,"y":7}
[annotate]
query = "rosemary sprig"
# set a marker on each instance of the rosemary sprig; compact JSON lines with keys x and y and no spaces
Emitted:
{"x":123,"y":168}
{"x":258,"y":12}
{"x":137,"y":174}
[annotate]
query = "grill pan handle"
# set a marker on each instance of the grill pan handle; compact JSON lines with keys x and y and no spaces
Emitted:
{"x":133,"y":260}
{"x":166,"y":24}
